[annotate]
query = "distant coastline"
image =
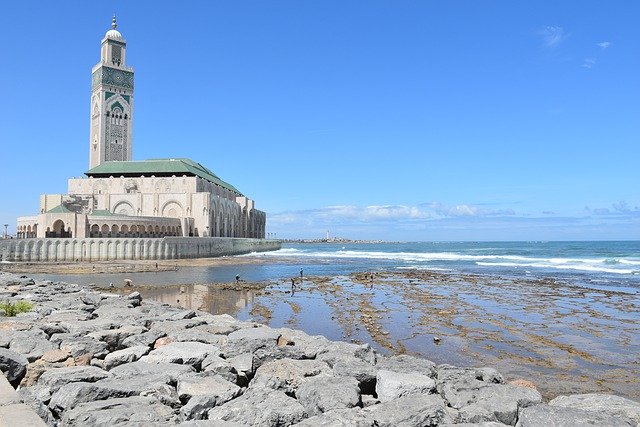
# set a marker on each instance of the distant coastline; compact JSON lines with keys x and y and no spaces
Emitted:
{"x":334,"y":240}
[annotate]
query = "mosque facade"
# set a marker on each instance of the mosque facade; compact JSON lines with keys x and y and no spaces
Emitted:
{"x":123,"y":198}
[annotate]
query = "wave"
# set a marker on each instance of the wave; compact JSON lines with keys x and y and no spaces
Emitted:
{"x":613,"y":265}
{"x":583,"y":267}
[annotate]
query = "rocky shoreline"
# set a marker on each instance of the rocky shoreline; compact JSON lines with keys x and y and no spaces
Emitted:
{"x":84,"y":357}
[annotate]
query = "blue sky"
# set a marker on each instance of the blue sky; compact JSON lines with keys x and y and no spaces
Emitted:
{"x":396,"y":120}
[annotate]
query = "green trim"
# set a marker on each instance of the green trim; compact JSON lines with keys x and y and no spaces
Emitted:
{"x":108,"y":95}
{"x":159,"y":167}
{"x":59,"y":209}
{"x":101,"y":212}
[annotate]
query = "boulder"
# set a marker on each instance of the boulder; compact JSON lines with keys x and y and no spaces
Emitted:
{"x":115,"y":337}
{"x":411,"y":410}
{"x":51,"y":380}
{"x":407,"y":365}
{"x":83,"y":345}
{"x":558,"y":416}
{"x":339,"y":418}
{"x":217,"y":365}
{"x":392,"y":385}
{"x":165,"y":372}
{"x":133,"y":411}
{"x":357,"y":368}
{"x":601,"y":403}
{"x":248,"y":340}
{"x":287,"y":375}
{"x":261,"y":406}
{"x":496,"y":402}
{"x":185,"y":353}
{"x":144,"y":339}
{"x":57,"y":355}
{"x":126,"y":355}
{"x":324,"y":393}
{"x":333,"y":351}
{"x":202,"y":392}
{"x":13,"y":365}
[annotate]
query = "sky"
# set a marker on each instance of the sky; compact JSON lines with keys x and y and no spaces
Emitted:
{"x":396,"y":120}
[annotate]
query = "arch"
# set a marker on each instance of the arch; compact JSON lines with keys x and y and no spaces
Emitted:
{"x":124,"y":230}
{"x":172,"y":209}
{"x":104,"y":230}
{"x":114,"y":230}
{"x":123,"y":208}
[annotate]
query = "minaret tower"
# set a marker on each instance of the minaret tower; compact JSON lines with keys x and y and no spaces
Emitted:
{"x":111,"y":102}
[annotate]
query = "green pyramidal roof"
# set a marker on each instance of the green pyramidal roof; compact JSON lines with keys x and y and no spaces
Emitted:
{"x":158,"y":167}
{"x":59,"y":209}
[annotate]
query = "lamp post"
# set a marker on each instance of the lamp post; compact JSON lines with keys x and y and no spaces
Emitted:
{"x":5,"y":230}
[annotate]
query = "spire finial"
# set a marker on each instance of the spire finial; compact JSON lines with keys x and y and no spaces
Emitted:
{"x":113,"y":23}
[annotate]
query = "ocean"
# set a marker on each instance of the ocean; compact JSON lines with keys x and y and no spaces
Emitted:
{"x":597,"y":264}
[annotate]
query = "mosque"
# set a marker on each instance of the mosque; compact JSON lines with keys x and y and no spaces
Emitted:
{"x":125,"y":198}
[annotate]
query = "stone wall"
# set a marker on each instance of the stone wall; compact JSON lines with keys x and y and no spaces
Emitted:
{"x":104,"y":249}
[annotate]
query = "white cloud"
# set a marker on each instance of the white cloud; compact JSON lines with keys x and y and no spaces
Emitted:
{"x":588,"y":63}
{"x":552,"y":35}
{"x":604,"y":45}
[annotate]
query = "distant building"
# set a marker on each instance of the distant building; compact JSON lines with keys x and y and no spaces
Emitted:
{"x":125,"y":198}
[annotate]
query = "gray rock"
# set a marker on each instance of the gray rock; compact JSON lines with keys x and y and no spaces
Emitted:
{"x":68,"y":316}
{"x":323,"y":393}
{"x":496,"y":402}
{"x":32,"y":343}
{"x":203,"y":392}
{"x":261,"y":406}
{"x":55,"y":378}
{"x":13,"y":365}
{"x":164,"y":372}
{"x":217,"y":365}
{"x":126,"y":355}
{"x":132,"y":411}
{"x":287,"y":374}
{"x":407,"y":365}
{"x":197,"y":335}
{"x":362,"y":371}
{"x":32,"y":401}
{"x":115,"y":337}
{"x":339,"y":418}
{"x":144,"y":339}
{"x":392,"y":385}
{"x":177,"y":326}
{"x":249,"y":340}
{"x":602,"y":403}
{"x":84,"y":345}
{"x":557,"y":416}
{"x":412,"y":410}
{"x":209,"y":423}
{"x":333,"y":351}
{"x":185,"y":353}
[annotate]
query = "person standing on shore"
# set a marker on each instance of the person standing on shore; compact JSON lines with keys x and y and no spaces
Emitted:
{"x":301,"y":276}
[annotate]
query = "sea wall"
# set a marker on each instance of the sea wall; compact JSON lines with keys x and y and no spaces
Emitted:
{"x":85,"y":358}
{"x":105,"y":249}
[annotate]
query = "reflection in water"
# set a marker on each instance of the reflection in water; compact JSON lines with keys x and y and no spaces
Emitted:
{"x":211,"y":298}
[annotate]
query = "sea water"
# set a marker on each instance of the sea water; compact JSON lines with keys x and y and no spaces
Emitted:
{"x":614,"y":264}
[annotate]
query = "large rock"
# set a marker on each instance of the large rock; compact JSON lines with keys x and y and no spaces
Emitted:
{"x":601,"y":403}
{"x":168,"y":373}
{"x":558,"y":416}
{"x":203,"y":392}
{"x":13,"y":365}
{"x":115,"y":337}
{"x":32,"y":344}
{"x":496,"y":402}
{"x":323,"y":393}
{"x":357,"y":368}
{"x":79,"y":346}
{"x":392,"y":385}
{"x":334,"y":351}
{"x":412,"y":410}
{"x":261,"y":406}
{"x":287,"y":374}
{"x":339,"y":418}
{"x":185,"y":353}
{"x":407,"y":365}
{"x":249,"y":340}
{"x":145,"y":339}
{"x":55,"y":378}
{"x":131,"y":411}
{"x":126,"y":355}
{"x":217,"y":365}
